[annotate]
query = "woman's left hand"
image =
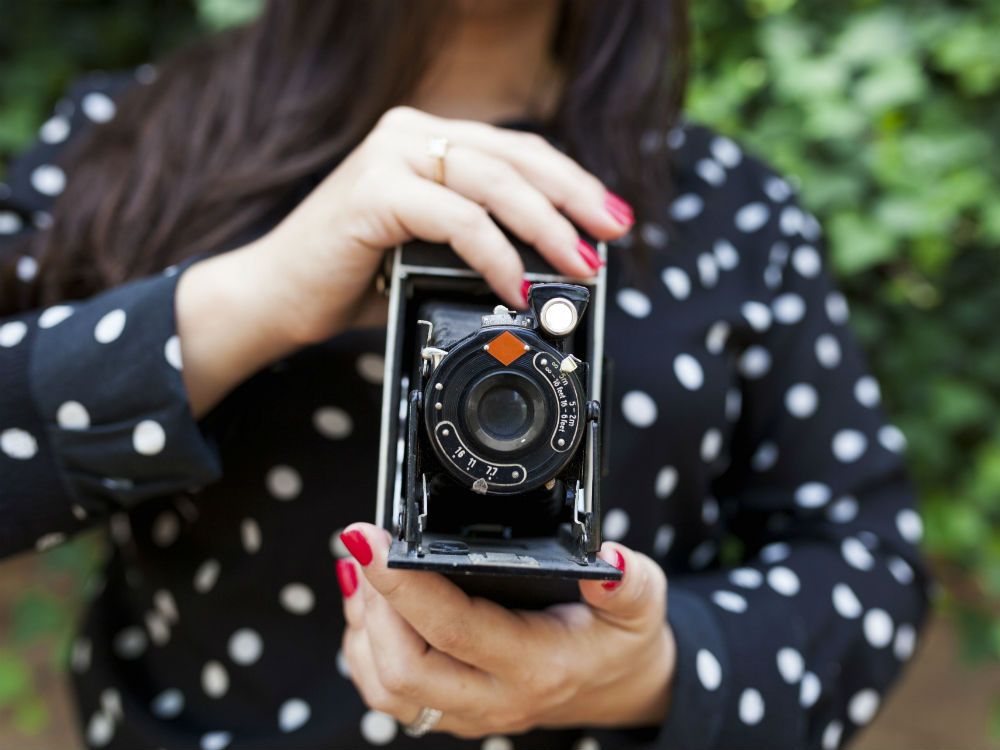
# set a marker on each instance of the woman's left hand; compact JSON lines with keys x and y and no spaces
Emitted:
{"x":414,"y":640}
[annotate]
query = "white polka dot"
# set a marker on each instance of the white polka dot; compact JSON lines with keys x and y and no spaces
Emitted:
{"x":164,"y":602}
{"x":148,"y":438}
{"x":639,"y":409}
{"x":18,"y":443}
{"x":734,"y":404}
{"x":332,"y":422}
{"x":100,"y":730}
{"x":801,"y":400}
{"x":892,"y":438}
{"x":168,"y":704}
{"x":783,"y":580}
{"x":378,"y":728}
{"x":752,"y":217}
{"x":806,"y":260}
{"x":845,"y":601}
{"x":906,"y":642}
{"x":587,"y":743}
{"x":293,"y":714}
{"x":371,"y":367}
{"x":730,"y":601}
{"x":342,"y":667}
{"x":72,"y":415}
{"x":214,"y":679}
{"x":863,"y":707}
{"x":748,"y":578}
{"x":48,"y":179}
{"x":27,"y":268}
{"x":48,"y":541}
{"x":663,"y":540}
{"x":856,"y":554}
{"x":832,"y":735}
{"x":843,"y":510}
{"x":54,"y":315}
{"x":496,"y":742}
{"x":726,"y":255}
{"x":711,"y":445}
{"x":867,"y":392}
{"x":216,"y":740}
{"x":812,"y":495}
{"x":708,"y":270}
{"x":616,"y":523}
{"x":55,"y":130}
{"x":901,"y":570}
{"x":41,"y":219}
{"x":110,"y":326}
{"x":711,"y":172}
{"x":653,"y":234}
{"x":836,"y":308}
{"x":709,"y":670}
{"x":158,"y":627}
{"x":79,"y":655}
{"x":809,"y":690}
{"x":666,"y":481}
{"x":250,"y":535}
{"x":130,"y":643}
{"x":765,"y":457}
{"x":165,"y":529}
{"x":284,"y":483}
{"x":206,"y":576}
{"x":634,"y":302}
{"x":718,"y":334}
{"x":849,"y":445}
{"x":10,"y":222}
{"x":751,"y":707}
{"x":790,"y":221}
{"x":172,"y":352}
{"x":245,"y":646}
{"x":686,"y":207}
{"x":710,"y":510}
{"x":755,"y":362}
{"x":828,"y":351}
{"x":878,"y":628}
{"x":790,"y":665}
{"x":688,"y":372}
{"x":725,"y":151}
{"x":757,"y":314}
{"x":120,"y":528}
{"x":777,"y":189}
{"x":789,"y":308}
{"x":12,"y":333}
{"x":97,"y":106}
{"x":677,"y":282}
{"x":702,"y":555}
{"x":297,"y":598}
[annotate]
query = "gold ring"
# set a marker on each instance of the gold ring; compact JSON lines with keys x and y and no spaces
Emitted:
{"x":437,"y":147}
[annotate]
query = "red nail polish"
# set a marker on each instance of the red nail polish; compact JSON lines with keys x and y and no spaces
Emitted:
{"x":357,"y":545}
{"x":347,"y":577}
{"x":589,"y":255}
{"x":620,"y":564}
{"x":620,"y":210}
{"x":525,"y":287}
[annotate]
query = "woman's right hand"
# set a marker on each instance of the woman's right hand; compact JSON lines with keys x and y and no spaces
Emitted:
{"x":306,"y":279}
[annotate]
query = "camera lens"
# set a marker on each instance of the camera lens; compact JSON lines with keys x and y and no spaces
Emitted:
{"x":504,"y":411}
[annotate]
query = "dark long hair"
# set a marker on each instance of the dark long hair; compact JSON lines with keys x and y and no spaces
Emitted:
{"x":234,"y":124}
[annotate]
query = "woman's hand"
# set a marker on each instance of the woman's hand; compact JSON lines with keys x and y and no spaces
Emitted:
{"x":415,"y":640}
{"x":308,"y":278}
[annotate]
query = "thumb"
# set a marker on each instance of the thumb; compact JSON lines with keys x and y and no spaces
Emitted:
{"x":639,"y":595}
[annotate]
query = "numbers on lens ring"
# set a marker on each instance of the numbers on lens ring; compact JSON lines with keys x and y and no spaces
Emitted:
{"x":491,"y":471}
{"x":470,"y":463}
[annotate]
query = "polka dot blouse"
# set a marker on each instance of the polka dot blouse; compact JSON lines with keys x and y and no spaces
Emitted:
{"x":749,"y":456}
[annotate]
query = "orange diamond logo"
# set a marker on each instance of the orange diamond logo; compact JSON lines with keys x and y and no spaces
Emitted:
{"x":506,"y":347}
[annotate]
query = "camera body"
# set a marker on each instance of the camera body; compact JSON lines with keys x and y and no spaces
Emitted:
{"x":492,"y":433}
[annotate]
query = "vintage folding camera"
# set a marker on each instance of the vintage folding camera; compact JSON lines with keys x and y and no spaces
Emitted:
{"x":491,"y":444}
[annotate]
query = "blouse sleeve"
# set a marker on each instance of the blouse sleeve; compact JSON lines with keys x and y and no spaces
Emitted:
{"x":94,"y":415}
{"x":796,"y":645}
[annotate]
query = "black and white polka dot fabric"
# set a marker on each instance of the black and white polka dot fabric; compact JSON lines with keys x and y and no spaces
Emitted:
{"x":748,"y":456}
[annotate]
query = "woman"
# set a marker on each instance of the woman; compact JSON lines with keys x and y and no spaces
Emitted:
{"x":190,"y":356}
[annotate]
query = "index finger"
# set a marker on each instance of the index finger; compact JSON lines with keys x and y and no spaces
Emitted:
{"x":473,"y":630}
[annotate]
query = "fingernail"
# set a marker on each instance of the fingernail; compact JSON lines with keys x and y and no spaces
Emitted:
{"x":620,"y":564}
{"x":589,"y":255}
{"x":620,"y":210}
{"x":525,"y":287}
{"x":357,"y":545}
{"x":347,"y":577}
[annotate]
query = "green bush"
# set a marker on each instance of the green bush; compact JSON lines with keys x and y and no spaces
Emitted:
{"x":886,"y":115}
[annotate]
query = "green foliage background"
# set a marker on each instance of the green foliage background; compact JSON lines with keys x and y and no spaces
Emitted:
{"x":886,"y":114}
